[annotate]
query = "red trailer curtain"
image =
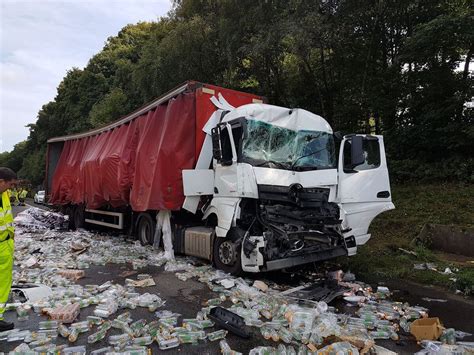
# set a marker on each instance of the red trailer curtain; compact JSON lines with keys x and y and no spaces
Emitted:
{"x":137,"y":164}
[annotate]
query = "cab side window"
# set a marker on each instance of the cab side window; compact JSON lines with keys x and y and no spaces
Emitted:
{"x":226,"y":147}
{"x":371,"y":150}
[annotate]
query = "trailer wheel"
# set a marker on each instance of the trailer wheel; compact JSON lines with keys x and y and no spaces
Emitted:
{"x":145,"y":229}
{"x":78,"y":217}
{"x":69,"y":211}
{"x":226,"y":252}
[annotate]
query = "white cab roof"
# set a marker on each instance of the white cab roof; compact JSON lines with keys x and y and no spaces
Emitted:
{"x":295,"y":119}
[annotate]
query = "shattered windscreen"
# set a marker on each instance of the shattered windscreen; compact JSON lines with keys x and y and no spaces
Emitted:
{"x":277,"y":147}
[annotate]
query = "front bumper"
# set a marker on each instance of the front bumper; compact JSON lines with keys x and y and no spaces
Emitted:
{"x":320,"y":255}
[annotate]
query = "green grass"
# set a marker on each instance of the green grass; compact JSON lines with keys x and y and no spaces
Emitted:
{"x":380,"y":258}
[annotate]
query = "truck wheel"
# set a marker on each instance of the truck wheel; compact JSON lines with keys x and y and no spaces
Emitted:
{"x":78,"y":217}
{"x":226,"y":252}
{"x":145,"y":229}
{"x":69,"y":211}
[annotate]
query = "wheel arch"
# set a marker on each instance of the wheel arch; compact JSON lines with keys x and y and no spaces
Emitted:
{"x":225,"y":211}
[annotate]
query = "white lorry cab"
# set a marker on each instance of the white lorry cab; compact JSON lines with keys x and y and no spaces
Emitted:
{"x":283,"y":189}
{"x":218,"y":174}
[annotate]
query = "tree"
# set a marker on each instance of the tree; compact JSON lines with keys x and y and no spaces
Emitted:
{"x":395,"y":63}
{"x":110,"y":108}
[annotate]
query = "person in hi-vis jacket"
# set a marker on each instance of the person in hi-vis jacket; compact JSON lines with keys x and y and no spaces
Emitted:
{"x":7,"y":179}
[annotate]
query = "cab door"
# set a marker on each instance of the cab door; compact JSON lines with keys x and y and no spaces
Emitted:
{"x":364,"y":186}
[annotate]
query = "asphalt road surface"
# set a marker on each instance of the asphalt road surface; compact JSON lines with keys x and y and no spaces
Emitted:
{"x":186,"y":298}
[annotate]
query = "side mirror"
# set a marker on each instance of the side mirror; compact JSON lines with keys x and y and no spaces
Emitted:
{"x":216,"y":143}
{"x":338,"y":135}
{"x":357,"y":152}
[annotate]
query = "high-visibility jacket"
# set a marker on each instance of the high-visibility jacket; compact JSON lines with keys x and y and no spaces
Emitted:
{"x":6,"y":218}
{"x":23,"y":193}
{"x":13,"y":193}
{"x":7,"y":247}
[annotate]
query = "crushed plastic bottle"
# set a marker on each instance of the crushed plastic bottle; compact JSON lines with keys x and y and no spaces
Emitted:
{"x":448,"y":336}
{"x":93,"y":320}
{"x":40,"y":342}
{"x":124,"y":317}
{"x":226,"y":349}
{"x":75,"y":350}
{"x":63,"y":330}
{"x":22,"y":312}
{"x":219,"y":334}
{"x":187,"y":338}
{"x":262,"y":350}
{"x":73,"y":335}
{"x":145,"y":340}
{"x":51,"y":324}
{"x":339,"y":348}
{"x":138,"y":327}
{"x":380,"y":334}
{"x":102,"y":351}
{"x":285,"y":335}
{"x":104,"y":326}
{"x":165,"y":344}
{"x":99,"y":335}
{"x":116,"y":339}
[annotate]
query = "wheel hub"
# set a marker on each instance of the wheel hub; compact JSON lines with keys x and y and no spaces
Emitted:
{"x":227,"y":253}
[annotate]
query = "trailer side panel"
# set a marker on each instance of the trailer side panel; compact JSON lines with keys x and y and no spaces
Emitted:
{"x":138,"y":163}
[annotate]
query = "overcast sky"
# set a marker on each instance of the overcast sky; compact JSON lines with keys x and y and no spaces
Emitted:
{"x":42,"y":39}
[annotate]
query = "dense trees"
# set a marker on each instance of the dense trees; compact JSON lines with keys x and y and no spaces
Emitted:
{"x":401,"y":64}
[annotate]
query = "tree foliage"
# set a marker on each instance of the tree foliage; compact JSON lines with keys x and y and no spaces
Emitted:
{"x":403,"y":64}
{"x":111,"y":107}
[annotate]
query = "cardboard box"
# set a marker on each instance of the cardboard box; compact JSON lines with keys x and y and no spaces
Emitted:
{"x":64,"y":314}
{"x":426,"y":328}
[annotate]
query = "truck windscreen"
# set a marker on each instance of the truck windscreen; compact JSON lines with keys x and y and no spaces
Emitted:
{"x":277,"y":147}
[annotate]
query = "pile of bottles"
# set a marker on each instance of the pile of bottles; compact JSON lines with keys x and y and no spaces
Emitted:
{"x":296,"y":325}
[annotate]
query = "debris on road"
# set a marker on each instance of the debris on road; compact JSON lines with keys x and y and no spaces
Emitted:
{"x":426,"y":329}
{"x":72,"y":274}
{"x":425,"y":266}
{"x":30,"y":292}
{"x":140,"y":283}
{"x":427,"y":299}
{"x":37,"y":220}
{"x":230,"y":321}
{"x":63,"y":313}
{"x":227,"y":283}
{"x":297,"y":320}
{"x":409,"y":252}
{"x":262,"y":286}
{"x":78,"y":246}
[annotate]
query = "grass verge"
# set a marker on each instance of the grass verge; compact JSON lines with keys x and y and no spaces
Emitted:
{"x":381,"y":259}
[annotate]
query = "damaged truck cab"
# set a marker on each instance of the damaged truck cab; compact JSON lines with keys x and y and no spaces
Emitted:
{"x":285,"y":190}
{"x":216,"y":173}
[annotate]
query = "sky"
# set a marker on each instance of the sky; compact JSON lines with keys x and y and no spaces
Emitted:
{"x":41,"y":39}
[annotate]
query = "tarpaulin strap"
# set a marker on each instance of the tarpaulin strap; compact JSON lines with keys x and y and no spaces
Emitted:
{"x":222,"y":115}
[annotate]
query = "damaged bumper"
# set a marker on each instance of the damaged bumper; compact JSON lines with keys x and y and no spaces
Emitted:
{"x":304,"y":259}
{"x":255,"y":262}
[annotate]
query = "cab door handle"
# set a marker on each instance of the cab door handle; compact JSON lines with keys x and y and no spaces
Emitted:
{"x":383,"y":194}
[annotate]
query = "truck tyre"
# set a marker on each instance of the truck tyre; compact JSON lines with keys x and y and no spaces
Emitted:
{"x":145,"y":229}
{"x":78,"y":217}
{"x":226,"y":252}
{"x":69,"y":211}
